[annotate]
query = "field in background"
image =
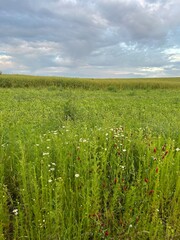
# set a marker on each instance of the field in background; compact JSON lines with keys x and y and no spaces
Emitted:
{"x":89,"y":159}
{"x":25,"y":81}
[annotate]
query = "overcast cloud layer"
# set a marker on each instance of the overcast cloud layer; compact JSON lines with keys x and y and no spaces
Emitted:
{"x":85,"y":38}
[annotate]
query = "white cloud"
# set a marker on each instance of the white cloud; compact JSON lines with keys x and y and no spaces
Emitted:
{"x":173,"y":54}
{"x":90,"y":38}
{"x":6,"y":62}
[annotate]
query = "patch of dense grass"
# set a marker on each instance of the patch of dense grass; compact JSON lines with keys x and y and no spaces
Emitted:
{"x":78,"y":164}
{"x":25,"y":81}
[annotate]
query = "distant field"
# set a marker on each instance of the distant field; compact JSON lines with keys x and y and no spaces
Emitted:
{"x":93,"y":84}
{"x":89,"y":159}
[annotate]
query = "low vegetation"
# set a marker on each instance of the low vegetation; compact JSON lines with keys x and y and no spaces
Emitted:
{"x":25,"y":81}
{"x":89,"y":159}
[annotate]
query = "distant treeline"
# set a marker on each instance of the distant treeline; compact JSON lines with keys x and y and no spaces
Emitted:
{"x":26,"y":81}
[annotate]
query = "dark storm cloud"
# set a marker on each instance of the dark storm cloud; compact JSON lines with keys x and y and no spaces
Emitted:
{"x":88,"y":37}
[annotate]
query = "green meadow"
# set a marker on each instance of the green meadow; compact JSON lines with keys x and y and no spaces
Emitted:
{"x":89,"y":159}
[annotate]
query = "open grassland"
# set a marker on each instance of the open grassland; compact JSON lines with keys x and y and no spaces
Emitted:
{"x":81,"y":164}
{"x":25,"y":81}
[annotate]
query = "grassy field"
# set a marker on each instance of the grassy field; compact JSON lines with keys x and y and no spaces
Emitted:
{"x":89,"y":159}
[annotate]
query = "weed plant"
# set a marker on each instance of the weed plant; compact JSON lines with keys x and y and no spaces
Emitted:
{"x":78,"y":164}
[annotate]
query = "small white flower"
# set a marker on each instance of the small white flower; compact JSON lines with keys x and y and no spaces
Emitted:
{"x":53,"y":164}
{"x":82,"y":140}
{"x":15,"y":211}
{"x":76,"y":175}
{"x":45,"y":153}
{"x":50,"y":180}
{"x":52,"y":169}
{"x":124,"y":150}
{"x":177,"y":149}
{"x":130,"y":225}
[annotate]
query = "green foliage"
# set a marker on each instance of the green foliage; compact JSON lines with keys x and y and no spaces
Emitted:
{"x":25,"y":81}
{"x":82,"y":164}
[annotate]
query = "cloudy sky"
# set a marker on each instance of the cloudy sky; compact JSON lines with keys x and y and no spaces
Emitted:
{"x":86,"y":38}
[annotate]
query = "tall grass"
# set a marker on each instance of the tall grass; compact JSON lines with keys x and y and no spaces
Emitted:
{"x":100,"y":183}
{"x":25,"y":81}
{"x":77,"y":164}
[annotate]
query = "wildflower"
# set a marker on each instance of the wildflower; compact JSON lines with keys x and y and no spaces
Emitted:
{"x":130,"y":226}
{"x":53,"y":164}
{"x":163,"y":147}
{"x":151,"y":192}
{"x":146,"y":180}
{"x":137,"y":219}
{"x":118,"y":153}
{"x":124,"y":150}
{"x":50,"y":180}
{"x":115,"y":180}
{"x":106,"y":233}
{"x":59,"y":179}
{"x":76,"y":175}
{"x":177,"y":149}
{"x":15,"y":211}
{"x":45,"y":153}
{"x":52,"y":169}
{"x":82,"y":140}
{"x":125,"y":188}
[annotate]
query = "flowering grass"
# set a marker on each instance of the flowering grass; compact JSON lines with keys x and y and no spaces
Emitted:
{"x":82,"y":164}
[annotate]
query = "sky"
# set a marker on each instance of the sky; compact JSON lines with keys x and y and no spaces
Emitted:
{"x":86,"y":38}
